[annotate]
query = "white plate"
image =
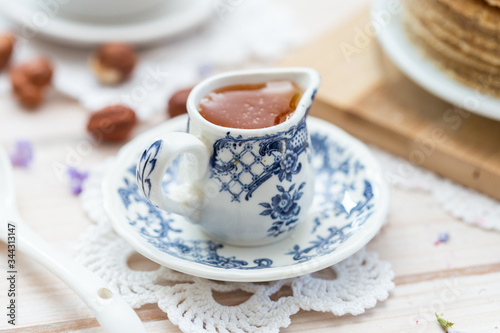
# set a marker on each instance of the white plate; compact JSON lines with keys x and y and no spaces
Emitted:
{"x":349,"y":207}
{"x":402,"y":52}
{"x":168,"y":20}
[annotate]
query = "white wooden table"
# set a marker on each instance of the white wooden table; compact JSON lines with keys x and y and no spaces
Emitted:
{"x":460,"y":278}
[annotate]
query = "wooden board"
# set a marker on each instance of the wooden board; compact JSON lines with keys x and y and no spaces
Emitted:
{"x":369,"y":97}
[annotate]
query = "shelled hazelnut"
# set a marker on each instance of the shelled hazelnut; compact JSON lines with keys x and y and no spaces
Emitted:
{"x":6,"y":46}
{"x":29,"y":81}
{"x":113,"y":63}
{"x":177,"y":103}
{"x":113,"y":123}
{"x":39,"y":71}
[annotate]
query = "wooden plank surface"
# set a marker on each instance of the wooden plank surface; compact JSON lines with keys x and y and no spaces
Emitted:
{"x":470,"y":261}
{"x":365,"y":94}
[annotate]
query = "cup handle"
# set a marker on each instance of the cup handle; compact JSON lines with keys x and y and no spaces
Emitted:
{"x":186,"y":198}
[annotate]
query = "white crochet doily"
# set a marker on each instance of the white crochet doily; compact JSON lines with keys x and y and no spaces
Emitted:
{"x":459,"y":201}
{"x":361,"y":281}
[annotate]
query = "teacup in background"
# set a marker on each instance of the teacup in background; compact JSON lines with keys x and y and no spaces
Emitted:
{"x":244,"y":187}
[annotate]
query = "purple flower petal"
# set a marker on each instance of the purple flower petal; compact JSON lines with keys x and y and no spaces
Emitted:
{"x":205,"y":70}
{"x":22,"y":155}
{"x":443,"y":237}
{"x":76,"y":180}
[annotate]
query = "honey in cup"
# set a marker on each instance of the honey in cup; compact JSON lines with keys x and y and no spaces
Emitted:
{"x":250,"y":106}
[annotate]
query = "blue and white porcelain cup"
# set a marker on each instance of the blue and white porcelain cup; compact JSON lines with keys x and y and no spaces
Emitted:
{"x":244,"y":187}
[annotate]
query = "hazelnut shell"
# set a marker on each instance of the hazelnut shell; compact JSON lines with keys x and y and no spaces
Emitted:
{"x":177,"y":103}
{"x":113,"y":123}
{"x":39,"y":71}
{"x":113,"y":62}
{"x":29,"y":81}
{"x":6,"y":47}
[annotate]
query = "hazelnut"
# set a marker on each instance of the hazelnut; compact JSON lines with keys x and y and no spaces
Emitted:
{"x":113,"y":123}
{"x":113,"y":63}
{"x":30,"y":96}
{"x":6,"y":46}
{"x":39,"y":71}
{"x":177,"y":103}
{"x":19,"y":79}
{"x":29,"y":81}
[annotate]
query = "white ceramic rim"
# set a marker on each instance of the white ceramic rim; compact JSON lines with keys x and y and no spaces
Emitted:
{"x":368,"y":231}
{"x":252,"y":76}
{"x":406,"y":57}
{"x":107,"y":9}
{"x":159,"y":27}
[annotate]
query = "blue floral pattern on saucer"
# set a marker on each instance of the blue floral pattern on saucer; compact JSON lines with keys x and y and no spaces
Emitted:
{"x":349,"y":206}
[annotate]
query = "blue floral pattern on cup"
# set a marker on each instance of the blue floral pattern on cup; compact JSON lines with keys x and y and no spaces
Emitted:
{"x":284,"y":207}
{"x":241,"y":165}
{"x":147,"y":165}
{"x":288,"y":166}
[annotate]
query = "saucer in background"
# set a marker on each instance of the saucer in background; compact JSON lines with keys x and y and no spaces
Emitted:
{"x":167,"y":20}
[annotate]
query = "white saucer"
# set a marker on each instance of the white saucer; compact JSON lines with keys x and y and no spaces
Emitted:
{"x":168,"y":20}
{"x":350,"y":205}
{"x":399,"y":48}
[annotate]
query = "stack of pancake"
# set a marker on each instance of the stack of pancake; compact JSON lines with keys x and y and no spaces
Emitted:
{"x":461,"y":36}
